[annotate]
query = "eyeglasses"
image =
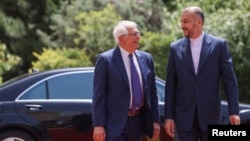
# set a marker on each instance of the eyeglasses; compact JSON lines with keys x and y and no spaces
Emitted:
{"x":133,"y":34}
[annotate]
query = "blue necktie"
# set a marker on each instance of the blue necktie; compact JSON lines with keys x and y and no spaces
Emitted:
{"x":136,"y":85}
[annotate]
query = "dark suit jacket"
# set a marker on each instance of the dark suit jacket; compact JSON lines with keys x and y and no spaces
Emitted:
{"x":111,"y":97}
{"x":185,"y":90}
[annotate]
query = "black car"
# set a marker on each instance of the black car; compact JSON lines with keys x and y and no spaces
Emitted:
{"x":55,"y":105}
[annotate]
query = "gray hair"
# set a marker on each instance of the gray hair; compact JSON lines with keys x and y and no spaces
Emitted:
{"x":122,"y":29}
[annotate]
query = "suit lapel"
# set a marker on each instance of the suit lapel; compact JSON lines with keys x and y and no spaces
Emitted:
{"x":187,"y":53}
{"x":119,"y":62}
{"x":142,"y":66}
{"x":205,"y":50}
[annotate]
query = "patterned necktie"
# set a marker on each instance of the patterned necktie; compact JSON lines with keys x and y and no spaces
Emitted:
{"x":136,"y":85}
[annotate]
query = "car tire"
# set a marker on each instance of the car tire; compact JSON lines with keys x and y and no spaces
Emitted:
{"x":15,"y":135}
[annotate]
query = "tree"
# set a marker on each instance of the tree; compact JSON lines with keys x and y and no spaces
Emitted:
{"x":52,"y":58}
{"x":28,"y":26}
{"x":8,"y":63}
{"x":20,"y":19}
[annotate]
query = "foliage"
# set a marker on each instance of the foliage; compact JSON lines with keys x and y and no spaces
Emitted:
{"x":60,"y":58}
{"x":20,"y":20}
{"x":148,"y":15}
{"x":27,"y":26}
{"x":94,"y":30}
{"x":77,"y":26}
{"x":158,"y":45}
{"x":59,"y":34}
{"x":8,"y":62}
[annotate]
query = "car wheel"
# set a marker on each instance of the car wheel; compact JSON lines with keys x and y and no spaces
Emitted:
{"x":14,"y":135}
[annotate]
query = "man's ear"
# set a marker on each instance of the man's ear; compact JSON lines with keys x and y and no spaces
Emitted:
{"x":199,"y":21}
{"x":121,"y":39}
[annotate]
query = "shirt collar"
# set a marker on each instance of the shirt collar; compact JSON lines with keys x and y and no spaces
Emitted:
{"x":198,"y":39}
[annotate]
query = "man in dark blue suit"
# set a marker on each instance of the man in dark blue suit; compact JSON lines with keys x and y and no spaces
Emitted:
{"x":114,"y":118}
{"x":197,"y":65}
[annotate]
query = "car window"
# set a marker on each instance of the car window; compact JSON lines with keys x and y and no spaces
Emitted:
{"x":38,"y":92}
{"x":74,"y":86}
{"x":70,"y":86}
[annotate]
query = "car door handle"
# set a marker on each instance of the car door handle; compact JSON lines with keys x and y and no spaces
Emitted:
{"x":33,"y":107}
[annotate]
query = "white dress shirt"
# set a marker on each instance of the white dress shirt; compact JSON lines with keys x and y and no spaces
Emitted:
{"x":195,"y":45}
{"x":126,"y":62}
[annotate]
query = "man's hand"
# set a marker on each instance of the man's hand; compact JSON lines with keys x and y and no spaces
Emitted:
{"x":234,"y":119}
{"x":170,"y":127}
{"x":99,"y":133}
{"x":157,"y":130}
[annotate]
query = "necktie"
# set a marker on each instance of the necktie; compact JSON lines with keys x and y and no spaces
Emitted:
{"x":136,"y":86}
